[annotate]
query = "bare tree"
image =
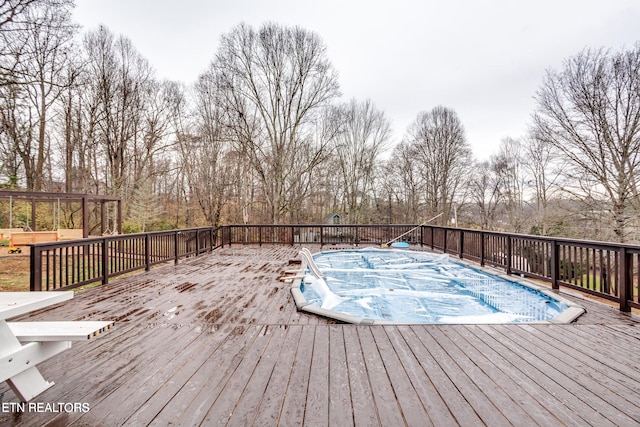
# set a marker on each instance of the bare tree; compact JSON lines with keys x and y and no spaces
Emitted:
{"x":324,"y":128}
{"x":485,"y":193}
{"x":405,"y":169}
{"x":590,"y":112}
{"x":154,"y":138}
{"x":439,"y":145}
{"x":365,"y":131}
{"x":16,"y":130}
{"x":121,"y":82}
{"x":274,"y":81}
{"x":508,"y":166}
{"x":39,"y":47}
{"x":206,"y":156}
{"x":16,"y":20}
{"x":11,"y":10}
{"x":74,"y":138}
{"x":49,"y":38}
{"x":543,"y":167}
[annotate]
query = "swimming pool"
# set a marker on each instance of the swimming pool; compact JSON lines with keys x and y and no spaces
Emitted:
{"x":402,"y":286}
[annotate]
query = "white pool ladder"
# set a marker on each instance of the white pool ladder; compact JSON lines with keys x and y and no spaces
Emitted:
{"x":307,"y":261}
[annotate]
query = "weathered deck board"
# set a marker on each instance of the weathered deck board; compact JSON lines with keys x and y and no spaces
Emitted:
{"x":317,"y":401}
{"x":340,"y":412}
{"x":534,"y":399}
{"x":408,"y":400}
{"x":500,"y":404}
{"x":216,"y":340}
{"x":364,"y":410}
{"x":295,"y":395}
{"x":273,"y":399}
{"x":577,"y":397}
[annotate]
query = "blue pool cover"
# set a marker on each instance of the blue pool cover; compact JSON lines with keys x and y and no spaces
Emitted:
{"x":402,"y":286}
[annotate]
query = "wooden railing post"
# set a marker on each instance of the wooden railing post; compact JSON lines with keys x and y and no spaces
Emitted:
{"x":176,"y":254}
{"x":482,"y":248}
{"x":147,"y":252}
{"x":625,"y":279}
{"x":461,"y":244}
{"x":35,"y":265}
{"x":105,"y":261}
{"x":433,"y":245}
{"x":444,"y":240}
{"x":555,"y":262}
{"x":508,"y":254}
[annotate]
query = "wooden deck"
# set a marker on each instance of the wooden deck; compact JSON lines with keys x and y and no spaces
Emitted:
{"x":216,"y":340}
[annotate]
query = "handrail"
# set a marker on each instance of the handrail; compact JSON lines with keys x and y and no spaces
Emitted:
{"x":604,"y":269}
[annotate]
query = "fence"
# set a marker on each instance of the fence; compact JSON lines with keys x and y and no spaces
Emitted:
{"x":606,"y":270}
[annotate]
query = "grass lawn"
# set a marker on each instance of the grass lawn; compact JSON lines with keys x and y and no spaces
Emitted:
{"x":14,"y":273}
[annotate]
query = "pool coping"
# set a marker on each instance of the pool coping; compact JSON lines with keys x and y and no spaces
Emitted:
{"x":567,"y":316}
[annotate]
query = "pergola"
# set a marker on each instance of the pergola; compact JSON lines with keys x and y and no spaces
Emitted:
{"x":84,"y":199}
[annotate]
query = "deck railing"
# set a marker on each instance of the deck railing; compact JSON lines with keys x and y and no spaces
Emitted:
{"x":74,"y":263}
{"x":606,"y":270}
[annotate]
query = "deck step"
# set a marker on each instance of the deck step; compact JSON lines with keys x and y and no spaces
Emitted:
{"x":59,"y":331}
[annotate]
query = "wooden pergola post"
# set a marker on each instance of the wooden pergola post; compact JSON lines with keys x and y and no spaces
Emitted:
{"x":85,"y":217}
{"x":119,"y":216}
{"x":33,"y":215}
{"x":103,"y":218}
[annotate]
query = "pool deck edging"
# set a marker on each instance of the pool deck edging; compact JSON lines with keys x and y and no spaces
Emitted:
{"x":303,"y":305}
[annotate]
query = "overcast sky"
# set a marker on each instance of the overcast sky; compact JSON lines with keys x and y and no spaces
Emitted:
{"x":483,"y":59}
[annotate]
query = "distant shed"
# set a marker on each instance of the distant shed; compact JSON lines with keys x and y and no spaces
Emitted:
{"x":334,"y":219}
